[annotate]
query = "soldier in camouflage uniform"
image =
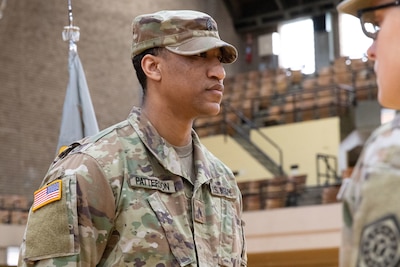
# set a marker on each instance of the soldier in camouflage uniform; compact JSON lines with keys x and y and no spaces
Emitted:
{"x":371,"y":200}
{"x":146,"y":192}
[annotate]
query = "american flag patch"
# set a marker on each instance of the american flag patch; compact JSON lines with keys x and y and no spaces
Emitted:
{"x":46,"y":195}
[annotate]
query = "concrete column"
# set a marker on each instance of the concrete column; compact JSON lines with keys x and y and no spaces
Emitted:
{"x":3,"y":256}
{"x":322,"y":44}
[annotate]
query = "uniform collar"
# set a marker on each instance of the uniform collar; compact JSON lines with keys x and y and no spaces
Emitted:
{"x":161,"y":149}
{"x":208,"y":168}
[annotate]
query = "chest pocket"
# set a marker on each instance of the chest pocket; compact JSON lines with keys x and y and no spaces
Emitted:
{"x":173,"y":220}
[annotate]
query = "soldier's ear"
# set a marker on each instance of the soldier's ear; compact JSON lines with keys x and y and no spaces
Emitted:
{"x":151,"y":67}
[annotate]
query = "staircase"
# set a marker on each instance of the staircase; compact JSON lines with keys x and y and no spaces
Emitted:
{"x":241,"y":135}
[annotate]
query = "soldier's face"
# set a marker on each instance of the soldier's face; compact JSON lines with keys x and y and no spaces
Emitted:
{"x":385,"y":51}
{"x":193,"y":85}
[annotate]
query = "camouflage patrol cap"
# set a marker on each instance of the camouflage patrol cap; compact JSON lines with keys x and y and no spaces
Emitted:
{"x":352,"y":6}
{"x":182,"y":32}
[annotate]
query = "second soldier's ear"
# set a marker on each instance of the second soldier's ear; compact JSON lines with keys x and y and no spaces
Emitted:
{"x":151,"y":67}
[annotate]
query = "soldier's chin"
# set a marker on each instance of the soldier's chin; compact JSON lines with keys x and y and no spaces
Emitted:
{"x":216,"y":108}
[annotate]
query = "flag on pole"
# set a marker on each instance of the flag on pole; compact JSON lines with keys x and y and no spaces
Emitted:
{"x":78,"y":117}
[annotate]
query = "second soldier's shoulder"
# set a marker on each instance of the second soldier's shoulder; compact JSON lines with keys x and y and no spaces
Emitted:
{"x":387,"y":128}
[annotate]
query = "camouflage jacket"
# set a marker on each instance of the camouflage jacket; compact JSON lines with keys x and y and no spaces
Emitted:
{"x":123,"y":203}
{"x":371,"y":203}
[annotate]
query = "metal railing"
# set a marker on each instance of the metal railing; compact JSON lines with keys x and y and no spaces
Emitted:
{"x":248,"y":124}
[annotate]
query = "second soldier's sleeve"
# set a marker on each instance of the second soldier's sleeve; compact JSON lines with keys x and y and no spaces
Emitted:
{"x":371,"y":214}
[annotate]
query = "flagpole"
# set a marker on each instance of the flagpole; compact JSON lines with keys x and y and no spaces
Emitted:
{"x":71,"y":33}
{"x":78,"y":116}
{"x":70,"y":17}
{"x":2,"y":7}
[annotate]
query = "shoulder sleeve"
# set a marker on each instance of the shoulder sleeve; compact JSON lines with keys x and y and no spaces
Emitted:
{"x":70,"y":230}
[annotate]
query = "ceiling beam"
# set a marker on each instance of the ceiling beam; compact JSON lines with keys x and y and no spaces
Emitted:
{"x":269,"y":19}
{"x":279,"y":4}
{"x":234,"y":8}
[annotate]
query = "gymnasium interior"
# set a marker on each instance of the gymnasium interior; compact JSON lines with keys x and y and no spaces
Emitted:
{"x":297,"y":108}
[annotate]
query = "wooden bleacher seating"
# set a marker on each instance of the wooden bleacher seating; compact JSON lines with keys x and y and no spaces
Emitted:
{"x":272,"y":193}
{"x":13,"y":202}
{"x":342,"y":71}
{"x":329,"y":194}
{"x":276,"y":96}
{"x":251,"y":195}
{"x":295,"y":77}
{"x":358,"y":64}
{"x":4,"y":216}
{"x":13,"y":209}
{"x":19,"y":217}
{"x":281,"y":83}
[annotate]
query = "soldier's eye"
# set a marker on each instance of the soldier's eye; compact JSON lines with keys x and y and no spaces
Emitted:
{"x":202,"y":55}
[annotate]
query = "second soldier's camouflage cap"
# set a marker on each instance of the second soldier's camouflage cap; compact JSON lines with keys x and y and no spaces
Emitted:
{"x":352,"y":6}
{"x":182,"y":32}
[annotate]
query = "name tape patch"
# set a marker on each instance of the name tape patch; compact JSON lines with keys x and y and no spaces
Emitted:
{"x":47,"y":194}
{"x":222,"y":191}
{"x":167,"y":186}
